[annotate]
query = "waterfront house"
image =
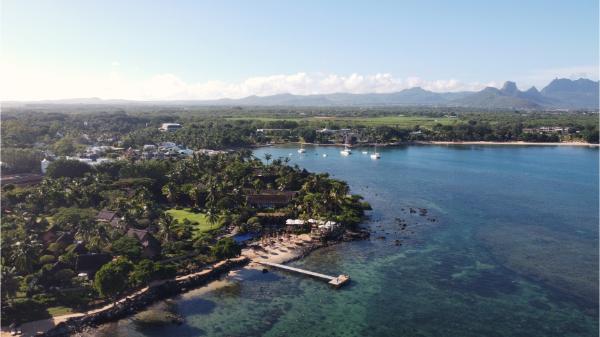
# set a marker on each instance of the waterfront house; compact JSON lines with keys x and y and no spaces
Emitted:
{"x":150,"y":245}
{"x":170,"y":127}
{"x":270,"y":199}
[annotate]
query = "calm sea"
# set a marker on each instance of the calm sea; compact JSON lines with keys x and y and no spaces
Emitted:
{"x":509,"y":247}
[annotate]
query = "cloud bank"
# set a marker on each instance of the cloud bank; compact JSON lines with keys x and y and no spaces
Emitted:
{"x":36,"y":84}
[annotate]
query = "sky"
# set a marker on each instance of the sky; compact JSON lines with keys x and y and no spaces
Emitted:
{"x":160,"y":50}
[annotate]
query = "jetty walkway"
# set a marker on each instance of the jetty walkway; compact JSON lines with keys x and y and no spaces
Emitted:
{"x":334,"y":281}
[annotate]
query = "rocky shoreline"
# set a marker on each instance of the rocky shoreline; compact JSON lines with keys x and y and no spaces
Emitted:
{"x":142,"y":300}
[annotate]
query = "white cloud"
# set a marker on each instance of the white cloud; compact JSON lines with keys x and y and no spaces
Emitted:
{"x":169,"y":86}
{"x":33,"y":84}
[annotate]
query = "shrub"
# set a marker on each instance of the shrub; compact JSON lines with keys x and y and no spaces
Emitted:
{"x":226,"y":248}
{"x":127,"y":246}
{"x":46,"y":259}
{"x":20,"y":311}
{"x":68,"y":168}
{"x":112,"y":279}
{"x":56,"y":247}
{"x":45,"y":299}
{"x":68,"y":258}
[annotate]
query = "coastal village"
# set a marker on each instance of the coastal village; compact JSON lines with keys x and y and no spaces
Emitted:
{"x":111,"y":223}
{"x":103,"y":230}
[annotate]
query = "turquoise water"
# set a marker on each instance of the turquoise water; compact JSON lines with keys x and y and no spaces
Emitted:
{"x":509,"y":247}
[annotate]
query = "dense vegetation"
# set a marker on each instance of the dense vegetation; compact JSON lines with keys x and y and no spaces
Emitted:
{"x":48,"y":227}
{"x":25,"y":133}
{"x":188,"y":204}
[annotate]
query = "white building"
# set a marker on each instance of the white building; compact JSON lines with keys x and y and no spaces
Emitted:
{"x":44,"y":165}
{"x":170,"y":127}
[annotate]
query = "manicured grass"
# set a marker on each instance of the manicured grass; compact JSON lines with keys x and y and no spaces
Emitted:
{"x":60,"y":310}
{"x":200,"y":218}
{"x":400,"y":121}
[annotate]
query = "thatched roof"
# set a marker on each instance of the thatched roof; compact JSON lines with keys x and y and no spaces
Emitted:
{"x":106,"y":215}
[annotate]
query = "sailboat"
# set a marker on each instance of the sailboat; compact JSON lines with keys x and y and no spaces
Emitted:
{"x":375,"y":154}
{"x":301,"y":149}
{"x":346,"y":151}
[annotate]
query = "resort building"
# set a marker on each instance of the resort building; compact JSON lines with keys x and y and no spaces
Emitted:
{"x":170,"y":127}
{"x":270,"y":199}
{"x":150,"y":245}
{"x":111,"y":218}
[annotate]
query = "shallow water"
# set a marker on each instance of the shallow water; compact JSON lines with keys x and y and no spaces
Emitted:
{"x":512,"y":251}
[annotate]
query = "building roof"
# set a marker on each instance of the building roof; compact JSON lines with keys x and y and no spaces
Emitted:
{"x":271,"y":214}
{"x":106,"y":215}
{"x":272,"y":199}
{"x":150,"y":244}
{"x":140,"y":234}
{"x":50,"y":234}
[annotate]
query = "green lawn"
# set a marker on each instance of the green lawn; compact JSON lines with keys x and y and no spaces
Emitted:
{"x":400,"y":121}
{"x":60,"y":310}
{"x":200,"y":218}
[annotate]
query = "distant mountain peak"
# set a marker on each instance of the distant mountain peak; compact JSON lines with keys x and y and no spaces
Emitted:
{"x":415,"y":89}
{"x":510,"y":88}
{"x":580,"y":93}
{"x":532,"y":90}
{"x":561,"y":93}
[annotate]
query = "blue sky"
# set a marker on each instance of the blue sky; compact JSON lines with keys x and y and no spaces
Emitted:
{"x":196,"y":49}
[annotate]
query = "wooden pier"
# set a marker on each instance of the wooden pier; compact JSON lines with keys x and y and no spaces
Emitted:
{"x":334,"y":281}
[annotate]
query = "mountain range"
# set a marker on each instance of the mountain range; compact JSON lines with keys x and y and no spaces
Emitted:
{"x":559,"y":94}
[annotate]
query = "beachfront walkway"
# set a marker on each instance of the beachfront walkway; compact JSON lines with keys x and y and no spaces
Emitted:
{"x":275,"y":251}
{"x":31,"y":328}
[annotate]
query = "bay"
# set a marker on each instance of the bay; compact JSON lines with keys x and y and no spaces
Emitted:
{"x":509,"y":247}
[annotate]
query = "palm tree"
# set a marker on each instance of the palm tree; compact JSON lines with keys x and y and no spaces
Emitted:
{"x":169,"y":192}
{"x":24,"y":255}
{"x":167,"y":226}
{"x":9,"y":281}
{"x":268,"y":157}
{"x":194,"y":194}
{"x":257,"y":184}
{"x":212,"y":216}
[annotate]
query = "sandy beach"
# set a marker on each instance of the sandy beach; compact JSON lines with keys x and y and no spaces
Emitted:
{"x":516,"y":143}
{"x":279,"y":250}
{"x":509,"y":143}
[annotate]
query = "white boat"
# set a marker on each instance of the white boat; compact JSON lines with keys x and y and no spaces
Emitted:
{"x":324,"y":154}
{"x":346,"y":151}
{"x":301,"y":149}
{"x":365,"y":152}
{"x":375,"y":154}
